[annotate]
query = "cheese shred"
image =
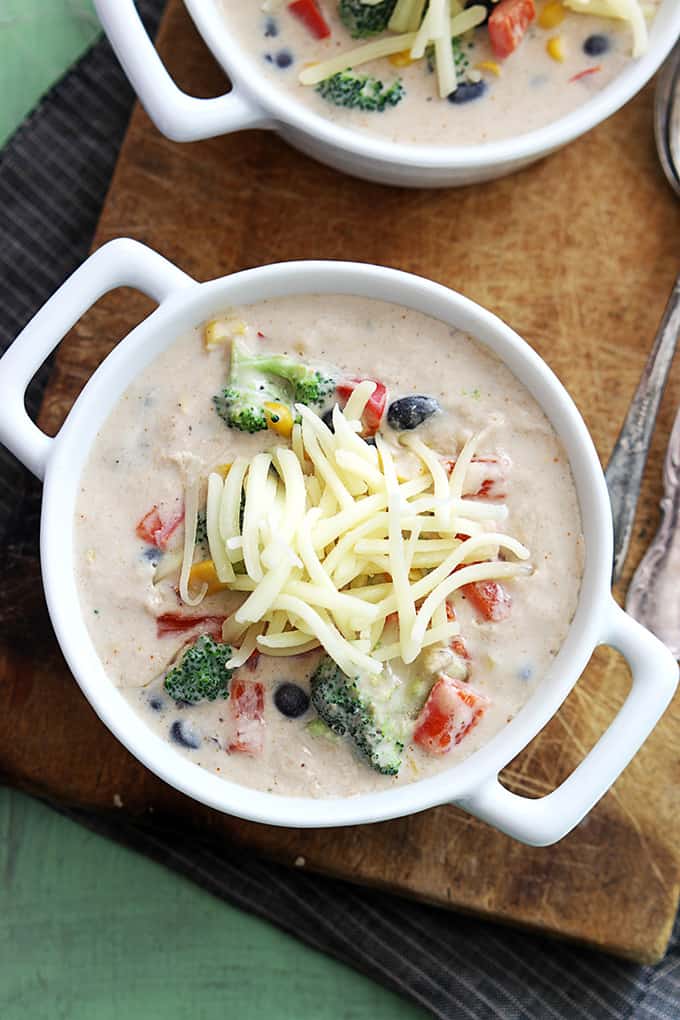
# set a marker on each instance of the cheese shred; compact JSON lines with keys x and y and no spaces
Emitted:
{"x":332,"y":547}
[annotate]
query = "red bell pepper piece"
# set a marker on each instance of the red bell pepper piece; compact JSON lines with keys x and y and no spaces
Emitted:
{"x":507,"y":24}
{"x":451,"y":710}
{"x":456,"y":644}
{"x":584,"y":74}
{"x":154,"y":530}
{"x":309,"y":13}
{"x":252,"y":660}
{"x":246,"y":708}
{"x":494,"y":477}
{"x":490,"y":599}
{"x":488,"y":481}
{"x":375,"y":407}
{"x":460,"y":648}
{"x":175,"y":623}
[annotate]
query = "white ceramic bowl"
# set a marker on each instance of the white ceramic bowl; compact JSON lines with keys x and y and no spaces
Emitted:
{"x":183,"y":303}
{"x":255,"y":102}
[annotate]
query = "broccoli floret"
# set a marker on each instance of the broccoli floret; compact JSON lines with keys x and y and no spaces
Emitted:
{"x":362,"y":19}
{"x":346,"y":711}
{"x":258,"y":379}
{"x":201,"y":673}
{"x":360,"y":91}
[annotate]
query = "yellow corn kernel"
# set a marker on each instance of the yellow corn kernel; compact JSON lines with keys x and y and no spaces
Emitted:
{"x":220,"y":331}
{"x":402,"y":59}
{"x":279,"y":419}
{"x":555,"y":48}
{"x":205,"y":573}
{"x":552,"y":15}
{"x":489,"y":65}
{"x":222,"y":470}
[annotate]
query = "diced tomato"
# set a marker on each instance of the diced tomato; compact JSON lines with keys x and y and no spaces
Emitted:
{"x":246,"y":709}
{"x":487,"y":477}
{"x":507,"y":24}
{"x":309,"y":13}
{"x":154,"y":530}
{"x":175,"y":623}
{"x":490,"y":599}
{"x":451,"y":710}
{"x":375,"y":407}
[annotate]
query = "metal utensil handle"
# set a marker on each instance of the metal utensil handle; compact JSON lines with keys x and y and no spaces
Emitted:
{"x":629,"y":456}
{"x":666,"y":116}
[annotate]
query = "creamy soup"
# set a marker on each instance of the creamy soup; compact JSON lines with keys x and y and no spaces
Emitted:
{"x":440,"y":401}
{"x":563,"y":58}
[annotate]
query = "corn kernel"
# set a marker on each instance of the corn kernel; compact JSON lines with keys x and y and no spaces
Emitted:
{"x":555,"y":48}
{"x":402,"y":59}
{"x":279,"y":418}
{"x":205,"y":573}
{"x":489,"y":65}
{"x":552,"y":15}
{"x":220,"y":331}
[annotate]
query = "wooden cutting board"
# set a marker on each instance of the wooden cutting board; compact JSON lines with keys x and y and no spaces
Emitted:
{"x":579,"y":254}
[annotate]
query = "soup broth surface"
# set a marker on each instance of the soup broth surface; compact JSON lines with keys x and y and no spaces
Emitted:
{"x":165,"y":426}
{"x":496,"y":98}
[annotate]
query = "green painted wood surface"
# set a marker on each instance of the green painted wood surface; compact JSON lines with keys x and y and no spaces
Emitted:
{"x":89,"y":930}
{"x":39,"y":39}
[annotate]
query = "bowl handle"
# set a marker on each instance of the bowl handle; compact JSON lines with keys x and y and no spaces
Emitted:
{"x":545,"y":820}
{"x":120,"y":263}
{"x":181,"y":117}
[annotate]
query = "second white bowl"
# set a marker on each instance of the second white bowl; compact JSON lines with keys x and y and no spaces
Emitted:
{"x":255,"y":103}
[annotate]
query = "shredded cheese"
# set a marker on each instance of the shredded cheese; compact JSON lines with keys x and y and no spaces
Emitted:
{"x":218,"y":551}
{"x":190,"y":521}
{"x":350,"y":557}
{"x":316,"y":73}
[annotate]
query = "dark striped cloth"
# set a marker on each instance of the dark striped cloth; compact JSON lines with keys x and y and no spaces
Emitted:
{"x":53,"y":179}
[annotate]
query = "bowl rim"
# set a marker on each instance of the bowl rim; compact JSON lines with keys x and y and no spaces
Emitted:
{"x":243,"y":71}
{"x":188,"y":308}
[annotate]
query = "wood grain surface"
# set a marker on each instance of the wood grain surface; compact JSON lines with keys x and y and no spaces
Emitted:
{"x":579,"y":254}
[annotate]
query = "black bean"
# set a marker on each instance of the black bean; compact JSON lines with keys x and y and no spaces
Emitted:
{"x":184,"y":734}
{"x":489,"y":4}
{"x":467,"y":91}
{"x":284,"y":58}
{"x":156,"y":702}
{"x":409,"y":412}
{"x":596,"y":45}
{"x":291,"y":700}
